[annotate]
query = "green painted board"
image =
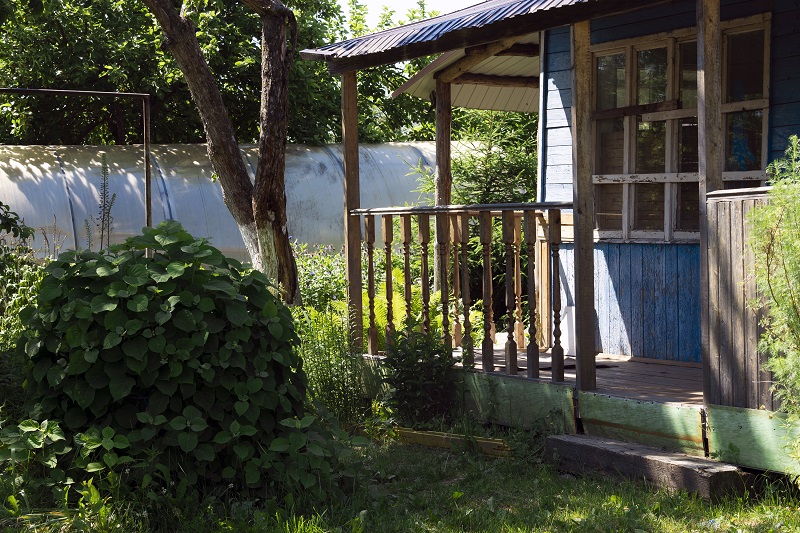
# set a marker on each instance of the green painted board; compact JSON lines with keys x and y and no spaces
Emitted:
{"x":662,"y":425}
{"x":519,"y":402}
{"x":752,"y":437}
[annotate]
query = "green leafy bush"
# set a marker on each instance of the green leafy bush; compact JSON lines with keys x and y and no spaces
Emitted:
{"x":322,"y":271}
{"x":186,"y":357}
{"x":417,"y":367}
{"x":776,"y":243}
{"x":20,"y":274}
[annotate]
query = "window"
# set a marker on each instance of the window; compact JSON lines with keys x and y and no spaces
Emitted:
{"x":646,"y":129}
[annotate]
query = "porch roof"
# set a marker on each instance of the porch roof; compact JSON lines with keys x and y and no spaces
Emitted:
{"x":480,"y":24}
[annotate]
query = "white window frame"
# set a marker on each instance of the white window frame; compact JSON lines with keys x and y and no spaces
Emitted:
{"x":671,"y":178}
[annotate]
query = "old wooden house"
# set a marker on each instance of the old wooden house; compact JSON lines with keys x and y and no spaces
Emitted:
{"x":657,"y":120}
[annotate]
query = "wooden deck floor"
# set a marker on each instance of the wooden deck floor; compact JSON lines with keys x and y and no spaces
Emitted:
{"x":623,"y":377}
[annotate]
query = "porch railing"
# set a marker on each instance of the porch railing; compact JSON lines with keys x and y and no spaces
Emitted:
{"x":530,"y":229}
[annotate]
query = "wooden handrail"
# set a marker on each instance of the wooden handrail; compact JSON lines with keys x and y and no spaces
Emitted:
{"x":526,"y":229}
{"x":473,"y":210}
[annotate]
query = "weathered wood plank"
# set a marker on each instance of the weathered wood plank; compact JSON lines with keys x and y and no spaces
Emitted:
{"x":724,"y":302}
{"x":737,"y":351}
{"x":751,"y":437}
{"x":519,"y":402}
{"x":750,"y":325}
{"x":706,"y":478}
{"x":637,"y":300}
{"x":352,"y":200}
{"x":669,"y":294}
{"x":669,"y":426}
{"x":625,"y":293}
{"x":583,"y":201}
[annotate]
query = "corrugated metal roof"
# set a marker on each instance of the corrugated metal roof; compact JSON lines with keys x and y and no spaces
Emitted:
{"x":482,"y":23}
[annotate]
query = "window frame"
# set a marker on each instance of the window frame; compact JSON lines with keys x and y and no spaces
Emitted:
{"x":671,"y":178}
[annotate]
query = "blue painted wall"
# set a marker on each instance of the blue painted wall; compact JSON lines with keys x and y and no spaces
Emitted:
{"x":648,"y":295}
{"x":647,"y":298}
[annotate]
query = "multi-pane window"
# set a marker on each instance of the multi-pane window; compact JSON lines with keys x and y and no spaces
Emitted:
{"x":646,"y":129}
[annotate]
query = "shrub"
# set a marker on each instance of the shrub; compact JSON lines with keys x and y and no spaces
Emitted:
{"x":417,"y":373}
{"x":335,"y":368}
{"x":776,"y":243}
{"x":182,"y":363}
{"x":322,"y":272}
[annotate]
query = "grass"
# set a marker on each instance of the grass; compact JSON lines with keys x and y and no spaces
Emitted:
{"x":410,"y":488}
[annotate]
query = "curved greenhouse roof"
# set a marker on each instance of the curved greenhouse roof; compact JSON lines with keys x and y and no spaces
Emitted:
{"x":56,"y":189}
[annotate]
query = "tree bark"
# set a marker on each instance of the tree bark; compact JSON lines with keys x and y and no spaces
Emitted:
{"x":260,"y":210}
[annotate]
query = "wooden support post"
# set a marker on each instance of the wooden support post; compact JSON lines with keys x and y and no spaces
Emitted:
{"x":444,"y":178}
{"x":583,"y":205}
{"x":424,"y":235}
{"x":710,"y":150}
{"x":455,"y":238}
{"x":372,"y":331}
{"x":487,"y":347}
{"x":530,"y":242}
{"x":443,"y":240}
{"x":352,"y":200}
{"x":511,"y":301}
{"x":468,"y":349}
{"x":388,"y":237}
{"x":405,"y":231}
{"x":519,"y":323}
{"x":557,"y":352}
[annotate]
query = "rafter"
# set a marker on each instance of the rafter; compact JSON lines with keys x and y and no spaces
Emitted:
{"x":498,"y":81}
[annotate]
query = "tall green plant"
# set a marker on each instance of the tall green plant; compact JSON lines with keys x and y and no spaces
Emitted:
{"x":776,"y":243}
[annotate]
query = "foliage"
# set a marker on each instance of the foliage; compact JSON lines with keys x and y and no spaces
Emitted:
{"x":20,"y":274}
{"x":776,"y":243}
{"x":322,"y":272}
{"x":499,"y":165}
{"x":186,"y":358}
{"x":417,"y":366}
{"x":334,"y":367}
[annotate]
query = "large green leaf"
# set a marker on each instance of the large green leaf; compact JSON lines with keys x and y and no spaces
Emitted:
{"x":138,"y":303}
{"x":120,"y":387}
{"x":135,"y":347}
{"x":184,"y":320}
{"x":237,"y":314}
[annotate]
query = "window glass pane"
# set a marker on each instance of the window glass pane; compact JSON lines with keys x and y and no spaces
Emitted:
{"x":648,"y":207}
{"x":743,"y":140}
{"x":688,"y":210}
{"x":611,"y":146}
{"x":688,"y":157}
{"x":650,"y":146}
{"x":608,"y":206}
{"x":745,"y":72}
{"x":651,"y":85}
{"x":610,"y":81}
{"x":688,"y":58}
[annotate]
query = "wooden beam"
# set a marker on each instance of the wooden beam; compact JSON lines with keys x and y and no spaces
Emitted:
{"x":352,"y":200}
{"x":449,"y":73}
{"x":497,"y":81}
{"x":583,"y":204}
{"x":658,"y":107}
{"x":444,"y":116}
{"x":518,"y":50}
{"x":710,"y":138}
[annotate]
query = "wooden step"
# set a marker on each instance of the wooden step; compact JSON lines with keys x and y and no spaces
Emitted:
{"x":579,"y":454}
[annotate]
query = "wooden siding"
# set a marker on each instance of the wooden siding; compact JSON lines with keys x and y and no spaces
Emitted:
{"x":647,"y":299}
{"x":557,"y":118}
{"x":736,"y":376}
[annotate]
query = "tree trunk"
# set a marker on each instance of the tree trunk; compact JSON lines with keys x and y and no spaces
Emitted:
{"x":260,"y":211}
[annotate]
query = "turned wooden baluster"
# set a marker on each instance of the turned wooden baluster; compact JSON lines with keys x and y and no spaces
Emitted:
{"x":519,"y":324}
{"x":455,"y":232}
{"x":443,"y":240}
{"x":557,"y":353}
{"x":405,"y":230}
{"x":468,"y":349}
{"x":388,"y":237}
{"x":372,"y":331}
{"x":511,"y":301}
{"x":533,"y":345}
{"x":487,"y":348}
{"x":424,"y":236}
